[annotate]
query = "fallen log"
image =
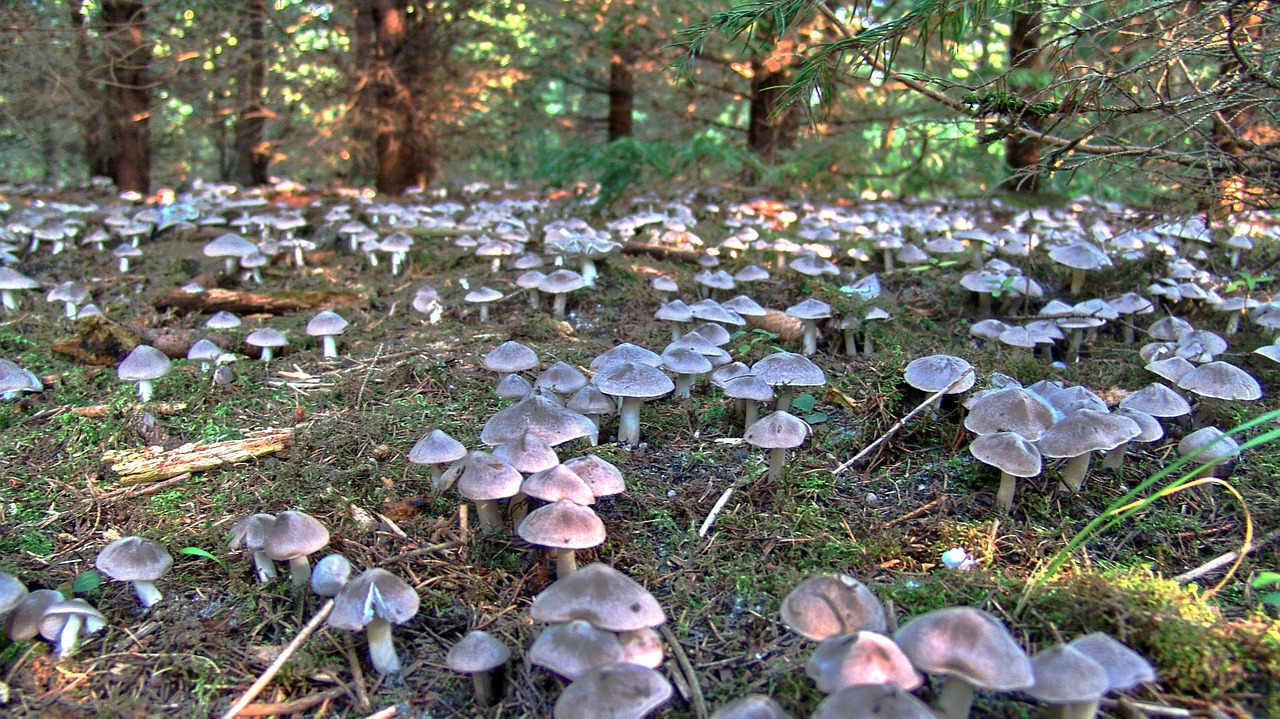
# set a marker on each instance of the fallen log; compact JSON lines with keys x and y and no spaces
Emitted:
{"x":155,"y":463}
{"x":97,"y":411}
{"x":104,"y":342}
{"x":274,"y":303}
{"x":662,"y":253}
{"x":786,"y":327}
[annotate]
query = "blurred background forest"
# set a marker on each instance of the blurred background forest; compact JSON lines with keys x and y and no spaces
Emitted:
{"x":1167,"y":102}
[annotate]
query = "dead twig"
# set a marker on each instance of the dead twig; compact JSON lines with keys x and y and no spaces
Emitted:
{"x":290,"y":707}
{"x":715,"y":512}
{"x":443,"y":546}
{"x":1219,"y":562}
{"x":696,"y":700}
{"x":275,"y":667}
{"x":384,"y":713}
{"x":903,"y":422}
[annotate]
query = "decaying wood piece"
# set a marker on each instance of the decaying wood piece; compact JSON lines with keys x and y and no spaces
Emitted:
{"x":643,"y":248}
{"x":103,"y":342}
{"x":275,"y":303}
{"x":164,"y":409}
{"x":786,"y":327}
{"x":153,"y":463}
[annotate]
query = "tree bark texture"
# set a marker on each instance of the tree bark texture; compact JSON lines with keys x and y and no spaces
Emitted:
{"x":253,"y":155}
{"x":1022,"y":154}
{"x":126,"y":94}
{"x":95,"y":145}
{"x":768,"y":132}
{"x":622,"y":93}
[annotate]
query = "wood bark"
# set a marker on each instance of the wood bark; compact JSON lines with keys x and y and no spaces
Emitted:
{"x":126,"y":94}
{"x":253,"y":155}
{"x":770,"y":128}
{"x":1021,"y":153}
{"x":622,"y":91}
{"x":154,"y":463}
{"x":96,"y":150}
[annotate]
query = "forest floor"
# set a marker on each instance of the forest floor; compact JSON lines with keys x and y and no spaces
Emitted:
{"x":356,"y":417}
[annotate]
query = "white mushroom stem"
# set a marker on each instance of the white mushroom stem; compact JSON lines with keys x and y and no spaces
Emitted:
{"x":395,"y":262}
{"x":558,"y":304}
{"x":382,"y":653}
{"x":1004,"y":497}
{"x":535,"y":301}
{"x":784,"y":398}
{"x":1075,"y":470}
{"x":71,"y":310}
{"x":266,"y":354}
{"x":1075,"y":338}
{"x":490,"y":517}
{"x":777,"y":461}
{"x":955,"y":699}
{"x":750,"y":414}
{"x":850,"y":342}
{"x":229,"y":264}
{"x":1114,"y":458}
{"x":488,"y":686}
{"x":298,"y":260}
{"x":684,"y":385}
{"x":264,"y":567}
{"x":629,"y":421}
{"x":1073,"y":710}
{"x":868,"y":347}
{"x":810,"y":337}
{"x":330,"y":346}
{"x":589,"y":272}
{"x":124,"y":264}
{"x":145,"y":390}
{"x":518,"y":508}
{"x":1233,"y":325}
{"x":566,"y":563}
{"x":69,"y":637}
{"x":11,"y":302}
{"x":1077,"y":281}
{"x":147,"y":593}
{"x":484,"y":312}
{"x":888,"y":260}
{"x":300,"y":571}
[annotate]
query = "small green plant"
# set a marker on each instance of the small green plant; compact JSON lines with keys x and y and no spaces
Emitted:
{"x":749,"y":340}
{"x":203,"y":554}
{"x":1248,"y":281}
{"x":805,"y":403}
{"x":1269,"y":581}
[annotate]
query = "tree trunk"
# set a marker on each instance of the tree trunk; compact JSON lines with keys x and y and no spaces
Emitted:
{"x":252,"y":153}
{"x":127,"y":94}
{"x":766,"y":132}
{"x":622,"y":92}
{"x":1022,"y":154}
{"x":396,"y":68}
{"x":95,"y":144}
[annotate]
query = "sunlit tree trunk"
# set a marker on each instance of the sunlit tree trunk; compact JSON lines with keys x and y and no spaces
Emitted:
{"x":126,"y":107}
{"x":1022,"y":154}
{"x":622,"y":93}
{"x":252,"y":153}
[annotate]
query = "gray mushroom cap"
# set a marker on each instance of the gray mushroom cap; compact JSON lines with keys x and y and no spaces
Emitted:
{"x":613,"y":691}
{"x":144,"y":362}
{"x":11,"y":279}
{"x":326,"y":323}
{"x":1157,"y":400}
{"x":222,"y":320}
{"x":935,"y":372}
{"x":601,"y":595}
{"x":562,"y":525}
{"x":752,"y":706}
{"x":57,"y":614}
{"x":829,"y":605}
{"x":632,"y":379}
{"x":872,"y":701}
{"x":1009,"y":452}
{"x":294,"y":534}
{"x":860,"y":658}
{"x":1221,"y":380}
{"x":1219,"y":446}
{"x":1066,"y":675}
{"x":72,"y":292}
{"x":1086,"y":430}
{"x":12,"y":592}
{"x":203,"y":350}
{"x":134,"y":559}
{"x":330,"y":575}
{"x":477,"y":651}
{"x":229,"y":245}
{"x":375,"y":594}
{"x":539,"y":414}
{"x":967,"y":643}
{"x":1124,"y":667}
{"x":437,"y":447}
{"x":267,"y":337}
{"x":789,"y":369}
{"x":779,"y":430}
{"x":510,"y":356}
{"x":571,"y":648}
{"x":24,"y":622}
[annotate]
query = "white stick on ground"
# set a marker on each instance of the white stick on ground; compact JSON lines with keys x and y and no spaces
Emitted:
{"x":902,"y":422}
{"x":271,"y":671}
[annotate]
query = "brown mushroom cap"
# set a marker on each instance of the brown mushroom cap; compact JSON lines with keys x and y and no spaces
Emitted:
{"x":967,"y":643}
{"x":860,"y":658}
{"x":613,"y":691}
{"x":829,"y":605}
{"x":601,"y":595}
{"x":477,"y":651}
{"x":572,"y":648}
{"x":562,"y":525}
{"x":1065,"y":675}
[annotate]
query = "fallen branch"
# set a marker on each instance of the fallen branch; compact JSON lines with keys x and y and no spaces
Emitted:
{"x":276,"y":303}
{"x":662,"y":253}
{"x":166,"y":409}
{"x":903,"y":422}
{"x":696,"y":700}
{"x":291,"y":707}
{"x":1217,"y":563}
{"x":271,"y":671}
{"x":152,"y":463}
{"x":715,"y":512}
{"x":786,"y":327}
{"x":384,"y":713}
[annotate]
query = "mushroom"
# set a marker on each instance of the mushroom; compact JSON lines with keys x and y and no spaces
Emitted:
{"x":1124,"y":667}
{"x":10,"y":282}
{"x":829,"y":605}
{"x":232,"y":248}
{"x":1211,"y":446}
{"x":1013,"y":455}
{"x":752,"y":706}
{"x":70,"y":294}
{"x":63,"y":622}
{"x":374,"y":601}
{"x":330,"y":575}
{"x":634,"y":384}
{"x":687,"y":365}
{"x":847,"y":660}
{"x":872,"y":701}
{"x":252,"y":533}
{"x":809,"y":311}
{"x":565,"y":527}
{"x":571,"y":648}
{"x":484,"y":657}
{"x":751,"y":391}
{"x":971,"y":648}
{"x":777,"y":433}
{"x":205,"y":352}
{"x":509,"y":358}
{"x":266,"y":339}
{"x":293,"y":537}
{"x":601,"y":595}
{"x":137,"y":560}
{"x":144,"y":364}
{"x":12,"y":592}
{"x":617,"y":691}
{"x":786,"y":373}
{"x":541,"y":414}
{"x":1079,"y":435}
{"x":562,"y":379}
{"x":327,"y":325}
{"x":1069,"y":681}
{"x":559,"y":284}
{"x":437,"y":450}
{"x":483,"y":479}
{"x":483,"y":296}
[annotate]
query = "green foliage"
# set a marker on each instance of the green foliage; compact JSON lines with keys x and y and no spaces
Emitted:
{"x":1270,"y":581}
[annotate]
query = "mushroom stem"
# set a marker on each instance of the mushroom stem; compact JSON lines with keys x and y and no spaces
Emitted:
{"x":810,"y":338}
{"x":490,"y":517}
{"x":558,"y":304}
{"x":777,"y":461}
{"x":147,"y":593}
{"x":1075,"y":338}
{"x":589,"y":272}
{"x":71,"y":310}
{"x":1004,"y":497}
{"x":984,"y":304}
{"x":1128,"y":332}
{"x":266,"y":354}
{"x":1073,"y":710}
{"x":300,"y":571}
{"x":850,"y":342}
{"x":484,"y":312}
{"x":566,"y":563}
{"x":1233,"y":325}
{"x":684,"y":385}
{"x":11,"y":302}
{"x":629,"y":421}
{"x":955,"y":699}
{"x":264,"y":567}
{"x":888,"y":260}
{"x":1077,"y":281}
{"x":518,"y":508}
{"x":868,"y":345}
{"x":1073,"y":474}
{"x":229,"y":264}
{"x":298,"y":259}
{"x":69,"y":637}
{"x":382,"y":653}
{"x":535,"y":298}
{"x":1114,"y":458}
{"x":488,"y":686}
{"x":330,"y":346}
{"x":784,"y":398}
{"x":145,"y":390}
{"x":751,"y":414}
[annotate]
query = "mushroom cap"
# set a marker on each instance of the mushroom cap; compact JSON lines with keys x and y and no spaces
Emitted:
{"x":1080,"y":256}
{"x":510,"y":356}
{"x":562,"y":525}
{"x":539,"y":414}
{"x":1009,"y":452}
{"x":134,"y":559}
{"x":601,"y":595}
{"x":12,"y":592}
{"x":591,"y":401}
{"x":1087,"y":430}
{"x":144,"y":362}
{"x":602,"y":477}
{"x":788,"y":369}
{"x":571,"y":648}
{"x":643,"y":647}
{"x":702,"y":344}
{"x":294,"y":534}
{"x":556,"y":483}
{"x":562,"y":281}
{"x":11,"y":279}
{"x":810,"y":309}
{"x":251,"y":532}
{"x":1066,"y":675}
{"x":1157,"y":400}
{"x":203,"y":350}
{"x":327,"y":323}
{"x":748,"y":386}
{"x":633,"y":380}
{"x":860,"y":658}
{"x":1218,"y":445}
{"x":266,"y":337}
{"x":56,"y":615}
{"x":779,"y":430}
{"x":1150,"y":426}
{"x":744,"y":306}
{"x":674,"y":311}
{"x":437,"y":447}
{"x":1221,"y":380}
{"x":752,"y":706}
{"x":935,"y":372}
{"x":967,"y":643}
{"x":1169,"y":329}
{"x":229,"y":245}
{"x":872,"y":701}
{"x":513,"y":387}
{"x":375,"y":594}
{"x":561,"y":378}
{"x":68,"y":292}
{"x":477,"y":651}
{"x":528,"y":453}
{"x":222,"y":320}
{"x":481,"y":477}
{"x":832,"y":604}
{"x":1170,"y":368}
{"x":613,"y":691}
{"x":483,"y":294}
{"x":1011,"y":409}
{"x":1124,"y":667}
{"x":24,"y":622}
{"x":681,"y":360}
{"x":330,"y":575}
{"x":625,"y":352}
